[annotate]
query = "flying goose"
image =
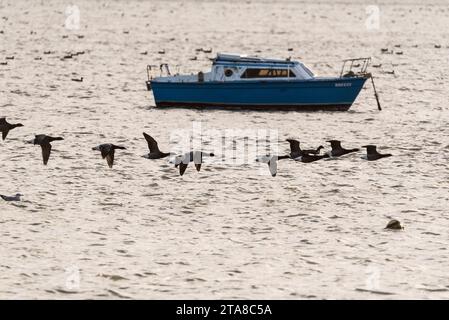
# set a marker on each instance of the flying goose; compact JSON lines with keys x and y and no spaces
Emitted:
{"x":372,"y":154}
{"x":155,"y":153}
{"x":305,"y":156}
{"x":193,"y":156}
{"x":107,"y":151}
{"x":44,"y":141}
{"x":272,"y":162}
{"x":338,"y":150}
{"x":5,"y":127}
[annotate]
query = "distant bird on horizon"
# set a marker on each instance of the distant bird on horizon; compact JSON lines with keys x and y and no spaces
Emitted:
{"x":108,"y":151}
{"x":182,"y":161}
{"x":44,"y":141}
{"x":338,"y":150}
{"x":5,"y":127}
{"x":272,"y":162}
{"x":372,"y":154}
{"x":155,"y":153}
{"x":16,"y":197}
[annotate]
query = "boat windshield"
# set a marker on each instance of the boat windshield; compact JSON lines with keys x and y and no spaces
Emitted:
{"x":310,"y":73}
{"x":267,"y":73}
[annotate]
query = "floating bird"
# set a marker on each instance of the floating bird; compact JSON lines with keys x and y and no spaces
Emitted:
{"x":161,"y":51}
{"x":193,"y":59}
{"x":9,"y":58}
{"x":68,"y":56}
{"x":372,"y":154}
{"x":155,"y":153}
{"x":437,"y":46}
{"x":44,"y":141}
{"x":272,"y":162}
{"x":3,"y":63}
{"x":399,"y":52}
{"x":207,"y":50}
{"x":144,"y":53}
{"x":394,"y":225}
{"x":78,"y":80}
{"x":11,"y":198}
{"x":5,"y":127}
{"x":193,"y":156}
{"x":377,"y":65}
{"x":107,"y":151}
{"x":48,"y":52}
{"x":337,"y":150}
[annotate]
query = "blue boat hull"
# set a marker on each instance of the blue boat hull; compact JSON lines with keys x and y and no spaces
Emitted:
{"x":317,"y":94}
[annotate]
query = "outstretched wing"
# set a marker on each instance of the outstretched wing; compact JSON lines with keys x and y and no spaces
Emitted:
{"x":4,"y":134}
{"x":371,"y":149}
{"x":104,"y":151}
{"x":3,"y":120}
{"x":182,"y":168}
{"x":46,"y":150}
{"x":335,"y":144}
{"x":110,"y":158}
{"x":273,"y":166}
{"x":294,"y":146}
{"x":152,"y":144}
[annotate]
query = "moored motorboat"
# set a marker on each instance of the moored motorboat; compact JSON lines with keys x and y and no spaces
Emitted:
{"x":236,"y":81}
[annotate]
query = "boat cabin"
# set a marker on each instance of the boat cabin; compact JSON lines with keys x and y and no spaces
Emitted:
{"x":230,"y":67}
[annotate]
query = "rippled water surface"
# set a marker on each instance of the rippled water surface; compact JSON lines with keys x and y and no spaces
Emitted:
{"x":142,"y":231}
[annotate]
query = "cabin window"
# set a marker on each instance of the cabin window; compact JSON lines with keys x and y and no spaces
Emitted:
{"x":267,"y":73}
{"x":228,"y":72}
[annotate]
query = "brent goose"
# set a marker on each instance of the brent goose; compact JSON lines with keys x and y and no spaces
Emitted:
{"x":44,"y":141}
{"x":394,"y":225}
{"x":107,"y":151}
{"x":308,"y":155}
{"x":272,"y":162}
{"x":155,"y":153}
{"x":78,"y":80}
{"x":5,"y":127}
{"x":372,"y":154}
{"x":11,"y":198}
{"x":337,"y":149}
{"x":307,"y":158}
{"x":193,"y":156}
{"x":312,"y":151}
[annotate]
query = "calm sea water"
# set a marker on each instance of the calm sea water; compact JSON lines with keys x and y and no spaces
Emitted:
{"x":142,"y":231}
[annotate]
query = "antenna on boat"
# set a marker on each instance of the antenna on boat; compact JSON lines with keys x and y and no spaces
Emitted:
{"x":375,"y":93}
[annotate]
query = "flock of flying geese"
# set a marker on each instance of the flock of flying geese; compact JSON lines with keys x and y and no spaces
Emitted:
{"x":108,"y":151}
{"x":181,"y":161}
